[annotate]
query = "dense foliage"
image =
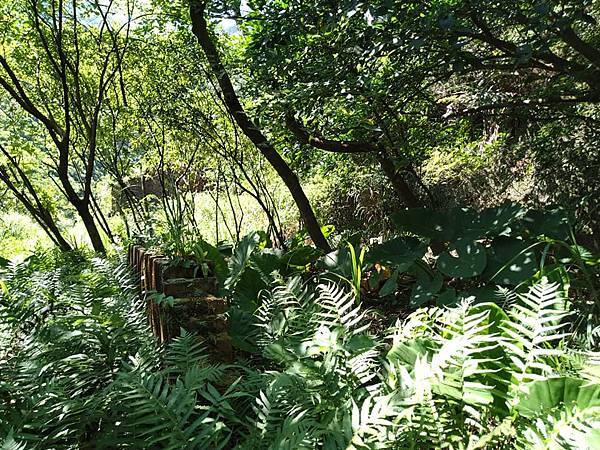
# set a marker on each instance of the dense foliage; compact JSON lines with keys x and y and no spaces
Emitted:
{"x":394,"y":203}
{"x":80,"y":370}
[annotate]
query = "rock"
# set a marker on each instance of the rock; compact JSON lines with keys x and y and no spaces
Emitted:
{"x":188,"y":287}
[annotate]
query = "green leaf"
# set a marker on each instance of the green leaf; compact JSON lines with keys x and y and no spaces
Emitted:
{"x":242,"y":330}
{"x":452,"y":224}
{"x":390,"y":286}
{"x":494,"y":319}
{"x":447,"y":298}
{"x":469,"y":262}
{"x":301,"y":256}
{"x":267,"y":261}
{"x":545,"y":395}
{"x":425,"y":288}
{"x":553,"y":224}
{"x":426,"y":223}
{"x":247,"y":289}
{"x":510,"y":261}
{"x":493,"y":359}
{"x":338,"y":262}
{"x":496,"y":221}
{"x":328,"y":230}
{"x":214,"y":255}
{"x":360,"y":342}
{"x":585,"y":255}
{"x":407,"y":352}
{"x":239,"y":259}
{"x":484,"y":294}
{"x":401,"y":252}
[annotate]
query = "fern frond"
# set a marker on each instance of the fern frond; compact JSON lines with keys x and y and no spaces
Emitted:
{"x":9,"y":443}
{"x":372,"y":423}
{"x":568,"y":429}
{"x":535,"y":327}
{"x":185,"y":352}
{"x":364,"y":366}
{"x":286,"y":313}
{"x":339,"y":308}
{"x":155,"y":412}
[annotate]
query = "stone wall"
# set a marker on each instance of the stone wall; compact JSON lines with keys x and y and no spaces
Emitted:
{"x":195,"y":307}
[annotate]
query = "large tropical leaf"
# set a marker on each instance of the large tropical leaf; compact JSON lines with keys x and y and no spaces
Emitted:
{"x":465,"y":259}
{"x":426,"y":286}
{"x":338,"y":262}
{"x":401,"y":252}
{"x":431,"y":224}
{"x":240,"y":258}
{"x":510,"y":261}
{"x":494,"y":221}
{"x":554,"y":224}
{"x":213,"y":254}
{"x":542,"y":396}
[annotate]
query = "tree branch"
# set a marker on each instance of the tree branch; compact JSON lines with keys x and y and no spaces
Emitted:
{"x":314,"y":139}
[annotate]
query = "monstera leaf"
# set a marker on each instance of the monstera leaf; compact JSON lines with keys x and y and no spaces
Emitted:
{"x":469,"y":260}
{"x":401,"y":252}
{"x":510,"y":261}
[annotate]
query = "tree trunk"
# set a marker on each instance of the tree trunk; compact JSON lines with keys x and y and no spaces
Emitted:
{"x":83,"y":209}
{"x":101,"y":219}
{"x":401,"y":187}
{"x":52,"y":228}
{"x":81,"y":205}
{"x":32,"y":204}
{"x":250,"y":129}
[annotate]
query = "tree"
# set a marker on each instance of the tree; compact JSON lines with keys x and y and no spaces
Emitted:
{"x":395,"y":75}
{"x":250,"y":129}
{"x":179,"y":129}
{"x":62,"y":80}
{"x":315,"y":68}
{"x":18,"y":182}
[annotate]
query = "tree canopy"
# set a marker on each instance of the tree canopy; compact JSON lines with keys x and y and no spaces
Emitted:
{"x":299,"y":224}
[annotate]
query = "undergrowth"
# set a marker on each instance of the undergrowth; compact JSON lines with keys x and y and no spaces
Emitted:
{"x":79,"y":368}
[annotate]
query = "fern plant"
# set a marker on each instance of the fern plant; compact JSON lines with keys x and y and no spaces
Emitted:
{"x":465,"y":373}
{"x":83,"y":371}
{"x":79,"y":369}
{"x":452,"y":377}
